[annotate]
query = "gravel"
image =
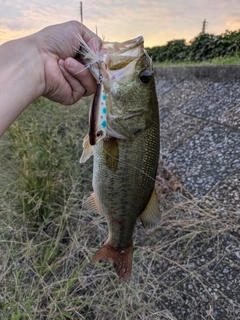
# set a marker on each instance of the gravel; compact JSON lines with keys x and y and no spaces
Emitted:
{"x":200,"y":133}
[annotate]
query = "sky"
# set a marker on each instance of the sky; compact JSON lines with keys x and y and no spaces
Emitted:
{"x":158,"y":21}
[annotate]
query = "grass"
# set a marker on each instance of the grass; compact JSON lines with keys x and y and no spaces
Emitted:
{"x":216,"y":61}
{"x":47,"y":240}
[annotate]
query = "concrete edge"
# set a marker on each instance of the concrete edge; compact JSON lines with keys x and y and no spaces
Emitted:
{"x":213,"y":72}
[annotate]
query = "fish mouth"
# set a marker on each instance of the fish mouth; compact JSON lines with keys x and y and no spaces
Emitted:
{"x":118,"y":55}
{"x":108,"y":65}
{"x":122,"y":47}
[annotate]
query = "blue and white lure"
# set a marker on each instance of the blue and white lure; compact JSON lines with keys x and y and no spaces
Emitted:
{"x":98,"y":109}
{"x":98,"y":116}
{"x":97,"y":120}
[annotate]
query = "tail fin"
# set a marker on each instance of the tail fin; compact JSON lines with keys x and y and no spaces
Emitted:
{"x":122,"y":260}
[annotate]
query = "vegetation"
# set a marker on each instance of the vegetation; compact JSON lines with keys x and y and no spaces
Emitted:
{"x":47,"y":241}
{"x":204,"y":47}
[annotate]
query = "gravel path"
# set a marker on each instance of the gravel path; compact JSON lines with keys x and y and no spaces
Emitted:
{"x":200,"y":132}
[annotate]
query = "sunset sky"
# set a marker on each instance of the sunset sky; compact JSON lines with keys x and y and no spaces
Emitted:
{"x":118,"y":20}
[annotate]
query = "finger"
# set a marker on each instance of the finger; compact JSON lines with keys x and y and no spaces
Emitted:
{"x":76,"y":90}
{"x":94,"y":42}
{"x":82,"y":74}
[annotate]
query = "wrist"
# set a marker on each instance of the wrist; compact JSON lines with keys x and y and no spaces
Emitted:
{"x":33,"y":67}
{"x":21,"y":78}
{"x":20,"y":61}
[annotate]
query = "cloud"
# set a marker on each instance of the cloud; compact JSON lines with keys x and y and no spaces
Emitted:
{"x":126,"y":19}
{"x":158,"y":21}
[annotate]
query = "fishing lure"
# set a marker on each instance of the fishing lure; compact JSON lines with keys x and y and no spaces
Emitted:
{"x":98,"y":113}
{"x":98,"y":109}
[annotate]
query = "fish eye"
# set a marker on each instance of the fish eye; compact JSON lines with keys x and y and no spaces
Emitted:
{"x":99,"y":134}
{"x":145,"y":76}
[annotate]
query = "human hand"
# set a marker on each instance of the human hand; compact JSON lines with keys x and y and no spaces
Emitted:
{"x":43,"y":64}
{"x":66,"y":79}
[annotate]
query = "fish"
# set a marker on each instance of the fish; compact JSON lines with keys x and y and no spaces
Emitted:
{"x":126,"y":155}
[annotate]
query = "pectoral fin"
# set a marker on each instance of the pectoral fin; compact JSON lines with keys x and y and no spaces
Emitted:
{"x":111,"y":153}
{"x":91,"y":204}
{"x":151,"y":215}
{"x":87,"y":150}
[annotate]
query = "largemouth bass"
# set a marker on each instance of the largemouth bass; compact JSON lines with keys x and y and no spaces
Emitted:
{"x":126,"y":155}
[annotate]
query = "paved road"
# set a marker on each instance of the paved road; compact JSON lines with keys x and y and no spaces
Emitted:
{"x":200,"y":132}
{"x":200,"y":128}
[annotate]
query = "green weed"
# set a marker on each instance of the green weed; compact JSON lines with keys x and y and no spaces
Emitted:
{"x":234,"y":60}
{"x":43,"y":167}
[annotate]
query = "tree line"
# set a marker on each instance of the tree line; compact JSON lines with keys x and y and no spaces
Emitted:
{"x":205,"y":46}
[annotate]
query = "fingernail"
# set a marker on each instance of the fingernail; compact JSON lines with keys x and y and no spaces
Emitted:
{"x":72,"y":63}
{"x":61,"y":62}
{"x":95,"y":44}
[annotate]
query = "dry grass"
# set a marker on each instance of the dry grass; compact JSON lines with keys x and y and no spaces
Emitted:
{"x":47,"y":240}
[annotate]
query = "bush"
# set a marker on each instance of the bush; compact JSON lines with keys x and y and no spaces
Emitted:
{"x":205,"y":46}
{"x":175,"y":50}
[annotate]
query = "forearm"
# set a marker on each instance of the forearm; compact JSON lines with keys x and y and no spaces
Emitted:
{"x":21,"y":78}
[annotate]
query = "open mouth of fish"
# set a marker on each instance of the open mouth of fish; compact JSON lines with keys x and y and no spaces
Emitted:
{"x":109,"y":64}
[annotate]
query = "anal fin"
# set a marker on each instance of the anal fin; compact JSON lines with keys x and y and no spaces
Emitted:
{"x":151,"y":215}
{"x":122,"y":260}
